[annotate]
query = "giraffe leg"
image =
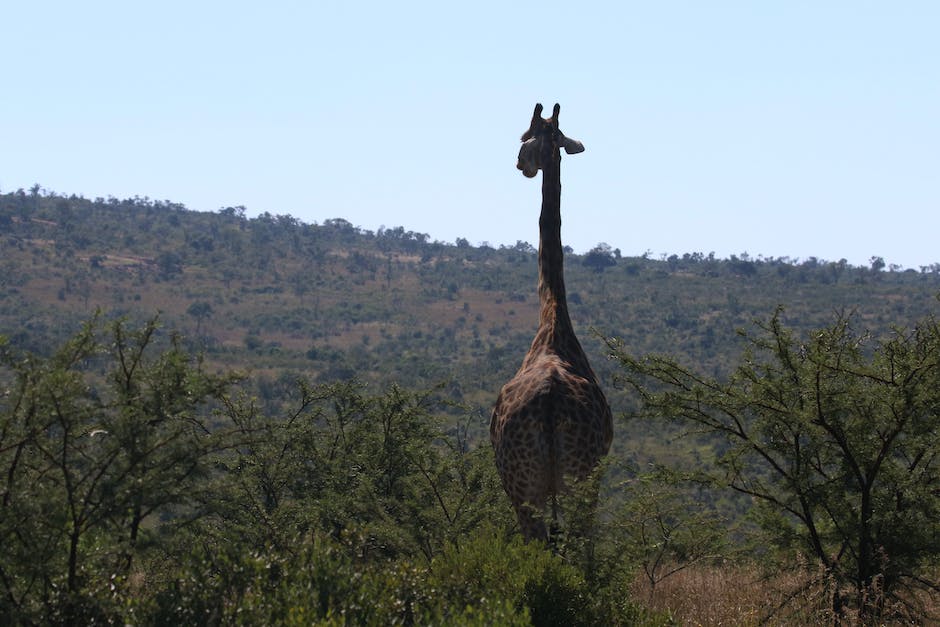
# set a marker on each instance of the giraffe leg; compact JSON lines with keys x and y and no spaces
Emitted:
{"x":531,"y":523}
{"x":554,"y":529}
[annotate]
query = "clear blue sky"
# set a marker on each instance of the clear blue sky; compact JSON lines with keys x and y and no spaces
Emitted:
{"x":773,"y":128}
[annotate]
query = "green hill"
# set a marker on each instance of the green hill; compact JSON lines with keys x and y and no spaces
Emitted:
{"x":277,"y":297}
{"x":281,"y":299}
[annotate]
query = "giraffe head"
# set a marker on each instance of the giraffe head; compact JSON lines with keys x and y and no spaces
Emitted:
{"x":542,"y":141}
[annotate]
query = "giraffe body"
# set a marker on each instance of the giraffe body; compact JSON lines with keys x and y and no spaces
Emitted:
{"x":551,"y":420}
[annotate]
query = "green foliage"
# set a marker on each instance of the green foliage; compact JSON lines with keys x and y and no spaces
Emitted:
{"x":380,"y":467}
{"x":834,"y":436}
{"x":525,"y":575}
{"x":93,"y":441}
{"x":140,"y":489}
{"x":665,"y":526}
{"x":317,"y":583}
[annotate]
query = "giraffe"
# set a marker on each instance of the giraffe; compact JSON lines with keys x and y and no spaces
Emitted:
{"x":551,"y":420}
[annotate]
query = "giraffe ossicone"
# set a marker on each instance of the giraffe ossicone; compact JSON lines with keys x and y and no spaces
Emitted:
{"x":551,"y":420}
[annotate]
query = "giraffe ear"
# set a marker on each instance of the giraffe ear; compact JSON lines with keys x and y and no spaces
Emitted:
{"x":571,"y":146}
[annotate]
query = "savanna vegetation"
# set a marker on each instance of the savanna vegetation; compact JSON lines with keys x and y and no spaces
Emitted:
{"x":211,"y":419}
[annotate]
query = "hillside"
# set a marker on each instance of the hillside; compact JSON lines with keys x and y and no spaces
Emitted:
{"x":277,"y":297}
{"x":173,"y":490}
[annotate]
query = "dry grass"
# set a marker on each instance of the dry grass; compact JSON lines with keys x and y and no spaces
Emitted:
{"x":746,"y":595}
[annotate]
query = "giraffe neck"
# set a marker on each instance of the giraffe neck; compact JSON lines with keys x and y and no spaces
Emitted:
{"x":553,"y":305}
{"x":554,"y":322}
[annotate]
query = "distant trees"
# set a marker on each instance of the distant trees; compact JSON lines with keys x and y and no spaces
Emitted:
{"x":601,"y":257}
{"x":836,"y":439}
{"x":169,"y":264}
{"x":201,"y":311}
{"x":523,"y":247}
{"x":743,"y":265}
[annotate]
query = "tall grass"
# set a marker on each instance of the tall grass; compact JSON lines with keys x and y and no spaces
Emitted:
{"x":744,"y":595}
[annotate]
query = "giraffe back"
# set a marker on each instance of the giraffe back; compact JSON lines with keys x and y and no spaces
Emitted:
{"x":548,"y":423}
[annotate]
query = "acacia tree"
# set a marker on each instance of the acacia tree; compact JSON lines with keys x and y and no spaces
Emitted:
{"x":663,"y":528}
{"x":105,"y":433}
{"x":350,"y":463}
{"x":201,"y":311}
{"x":836,"y":439}
{"x":600,"y":257}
